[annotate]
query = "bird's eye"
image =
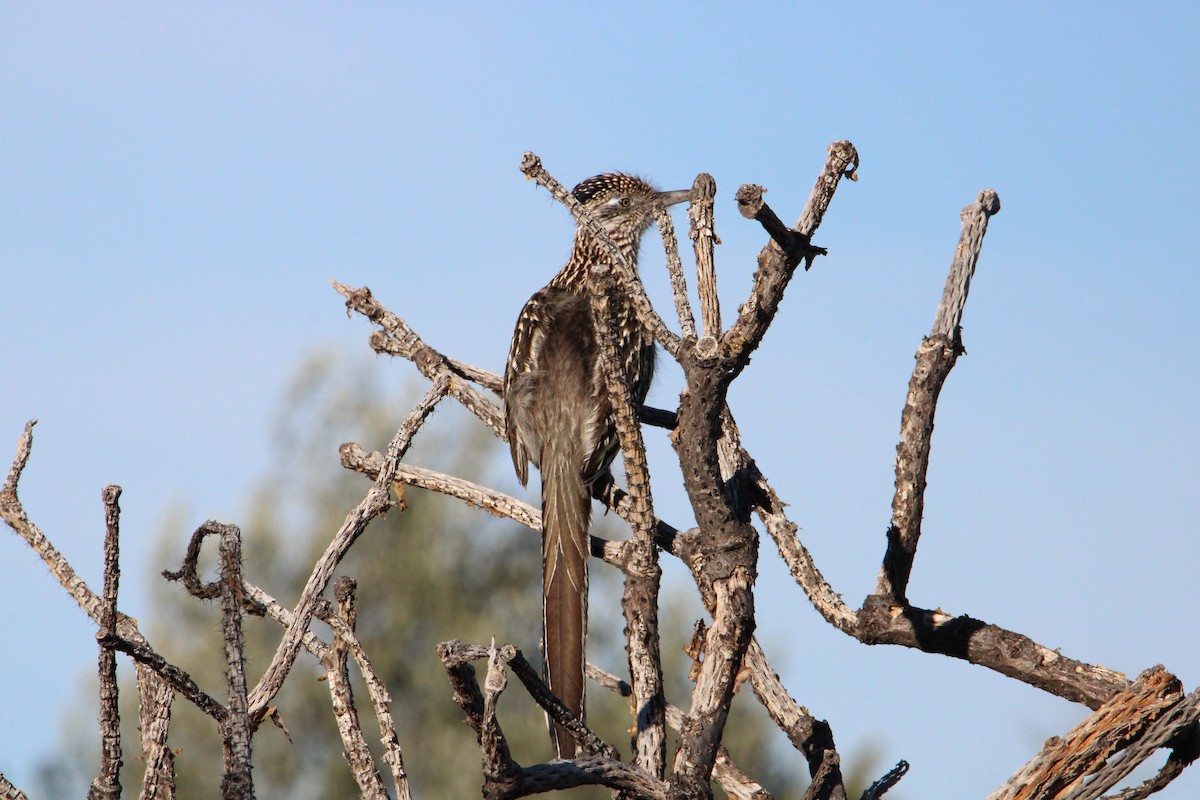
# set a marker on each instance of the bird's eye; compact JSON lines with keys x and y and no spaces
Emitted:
{"x":624,"y":202}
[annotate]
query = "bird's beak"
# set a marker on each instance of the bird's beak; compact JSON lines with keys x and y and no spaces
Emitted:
{"x":671,"y":198}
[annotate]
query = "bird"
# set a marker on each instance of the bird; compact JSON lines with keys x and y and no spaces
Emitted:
{"x":558,"y":415}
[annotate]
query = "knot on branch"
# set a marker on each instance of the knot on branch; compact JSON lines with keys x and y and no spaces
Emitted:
{"x":704,"y":189}
{"x":706,"y":348}
{"x":844,"y":152}
{"x":362,"y":301}
{"x":344,"y":588}
{"x":988,"y":202}
{"x":530,"y":163}
{"x":749,"y":198}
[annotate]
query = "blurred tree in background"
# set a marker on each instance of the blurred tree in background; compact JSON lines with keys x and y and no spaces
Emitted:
{"x":436,"y":571}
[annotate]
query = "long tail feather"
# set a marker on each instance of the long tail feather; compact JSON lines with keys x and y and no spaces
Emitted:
{"x":566,"y":508}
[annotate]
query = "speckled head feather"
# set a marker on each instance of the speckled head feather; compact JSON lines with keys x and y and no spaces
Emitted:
{"x":610,"y":183}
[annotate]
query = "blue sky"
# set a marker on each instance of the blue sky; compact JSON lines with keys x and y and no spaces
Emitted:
{"x":181,"y":181}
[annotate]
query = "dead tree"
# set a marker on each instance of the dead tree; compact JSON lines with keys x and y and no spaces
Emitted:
{"x":1131,"y":719}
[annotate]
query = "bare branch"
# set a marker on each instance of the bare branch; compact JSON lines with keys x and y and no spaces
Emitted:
{"x":498,"y":765}
{"x":24,"y":446}
{"x":880,"y":787}
{"x":734,"y":782}
{"x":975,"y":219}
{"x":380,"y":700}
{"x":504,"y":778}
{"x":1179,"y":723}
{"x":727,"y":638}
{"x":790,"y":242}
{"x":777,"y":264}
{"x":591,"y":771}
{"x":189,"y":571}
{"x":728,"y":775}
{"x":473,"y":494}
{"x":935,"y":359}
{"x":642,"y":579}
{"x":155,"y":696}
{"x":237,"y":728}
{"x":354,"y":744}
{"x":704,"y":239}
{"x":13,"y":513}
{"x":881,"y":621}
{"x":10,"y":792}
{"x":723,"y":557}
{"x":124,"y":636}
{"x":683,"y":307}
{"x":397,"y":338}
{"x":799,"y":561}
{"x":456,"y":658}
{"x":1106,"y":746}
{"x":455,"y":653}
{"x":107,"y":784}
{"x":811,"y":737}
{"x":374,"y":504}
{"x":502,"y":775}
{"x":503,"y":505}
{"x":179,"y":680}
{"x":1006,"y":652}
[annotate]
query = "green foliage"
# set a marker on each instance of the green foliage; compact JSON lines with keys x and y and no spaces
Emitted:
{"x":436,"y":571}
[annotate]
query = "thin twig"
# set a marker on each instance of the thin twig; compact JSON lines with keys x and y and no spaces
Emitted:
{"x":13,"y":513}
{"x":375,"y":503}
{"x":683,"y":307}
{"x":975,"y":219}
{"x":728,"y":775}
{"x":798,"y":560}
{"x":504,"y":778}
{"x":473,"y":494}
{"x":177,"y":678}
{"x":124,"y":636}
{"x":880,"y":787}
{"x":380,"y":701}
{"x":107,"y":784}
{"x":236,"y":729}
{"x":24,"y":447}
{"x":704,"y":239}
{"x":456,"y":653}
{"x":396,"y":337}
{"x":354,"y":744}
{"x":811,"y":737}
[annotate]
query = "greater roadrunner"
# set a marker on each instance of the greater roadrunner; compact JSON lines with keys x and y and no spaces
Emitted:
{"x":558,"y":414}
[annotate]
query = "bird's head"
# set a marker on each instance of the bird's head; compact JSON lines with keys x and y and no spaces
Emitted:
{"x":623,"y":204}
